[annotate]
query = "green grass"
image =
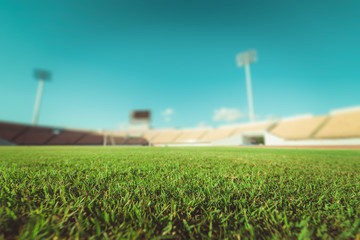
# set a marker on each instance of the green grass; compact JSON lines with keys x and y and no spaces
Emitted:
{"x":178,"y":193}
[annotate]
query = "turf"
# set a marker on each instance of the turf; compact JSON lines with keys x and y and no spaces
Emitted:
{"x":178,"y":193}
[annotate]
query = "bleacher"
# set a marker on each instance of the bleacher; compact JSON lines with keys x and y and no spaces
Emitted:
{"x":34,"y":136}
{"x":341,"y":124}
{"x":66,"y":137}
{"x":91,"y":139}
{"x":150,"y":135}
{"x":166,"y":136}
{"x":9,"y":131}
{"x":217,"y":134}
{"x":298,"y":127}
{"x":191,"y":136}
{"x":115,"y":140}
{"x":201,"y":136}
{"x":136,"y":141}
{"x":21,"y":134}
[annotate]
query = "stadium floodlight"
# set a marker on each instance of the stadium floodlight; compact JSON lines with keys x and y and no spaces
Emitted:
{"x":245,"y":59}
{"x":42,"y":76}
{"x":141,"y":117}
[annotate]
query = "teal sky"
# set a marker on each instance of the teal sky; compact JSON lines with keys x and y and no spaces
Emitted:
{"x":110,"y":57}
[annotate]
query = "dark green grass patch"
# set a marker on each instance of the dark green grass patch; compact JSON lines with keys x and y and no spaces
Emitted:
{"x":178,"y":193}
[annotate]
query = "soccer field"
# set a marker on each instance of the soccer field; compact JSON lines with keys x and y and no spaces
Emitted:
{"x":178,"y":193}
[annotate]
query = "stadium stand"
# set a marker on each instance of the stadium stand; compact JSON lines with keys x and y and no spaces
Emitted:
{"x":34,"y":136}
{"x":341,"y":124}
{"x":9,"y":131}
{"x":136,"y":141}
{"x":298,"y":127}
{"x":191,"y":136}
{"x":341,"y":127}
{"x":150,"y":135}
{"x":200,"y":136}
{"x":91,"y":139}
{"x":261,"y":126}
{"x":21,"y":134}
{"x":166,"y":136}
{"x":66,"y":137}
{"x":115,"y":140}
{"x":244,"y":134}
{"x":217,"y":134}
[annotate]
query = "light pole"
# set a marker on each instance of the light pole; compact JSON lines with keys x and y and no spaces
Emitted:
{"x":245,"y":59}
{"x":42,"y":76}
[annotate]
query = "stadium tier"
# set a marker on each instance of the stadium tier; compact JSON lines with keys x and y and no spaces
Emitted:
{"x":136,"y":141}
{"x":21,"y":134}
{"x":191,"y":136}
{"x":202,"y":136}
{"x":115,"y":140}
{"x":34,"y":136}
{"x":217,"y":134}
{"x":252,"y":127}
{"x":91,"y":139}
{"x":9,"y":131}
{"x":341,"y":127}
{"x":165,"y":136}
{"x":298,"y":128}
{"x":66,"y":138}
{"x":150,"y":135}
{"x":341,"y":124}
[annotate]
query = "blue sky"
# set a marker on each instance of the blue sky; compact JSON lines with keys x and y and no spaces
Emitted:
{"x":110,"y":57}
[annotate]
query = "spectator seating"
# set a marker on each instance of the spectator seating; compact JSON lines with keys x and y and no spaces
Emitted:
{"x":217,"y":134}
{"x":34,"y":136}
{"x":344,"y":124}
{"x":91,"y":139}
{"x":191,"y":136}
{"x":9,"y":131}
{"x":166,"y":136}
{"x":115,"y":140}
{"x":21,"y":134}
{"x":66,"y":137}
{"x":150,"y":135}
{"x":136,"y":141}
{"x":298,"y":128}
{"x":340,"y":124}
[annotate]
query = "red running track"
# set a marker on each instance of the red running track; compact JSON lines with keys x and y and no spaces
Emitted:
{"x":307,"y":147}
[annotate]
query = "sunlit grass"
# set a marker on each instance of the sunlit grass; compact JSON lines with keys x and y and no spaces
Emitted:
{"x":115,"y":193}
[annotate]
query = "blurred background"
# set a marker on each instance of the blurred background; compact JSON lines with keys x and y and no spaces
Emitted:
{"x":177,"y":60}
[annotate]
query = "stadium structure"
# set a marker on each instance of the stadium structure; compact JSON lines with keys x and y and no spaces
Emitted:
{"x":339,"y":127}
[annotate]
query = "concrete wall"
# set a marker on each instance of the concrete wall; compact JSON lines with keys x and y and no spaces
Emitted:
{"x":6,"y":143}
{"x":184,"y":145}
{"x":272,"y":140}
{"x":231,"y":141}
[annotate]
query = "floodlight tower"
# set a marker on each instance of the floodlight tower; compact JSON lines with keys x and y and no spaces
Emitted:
{"x":141,"y":119}
{"x":42,"y":76}
{"x":245,"y":59}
